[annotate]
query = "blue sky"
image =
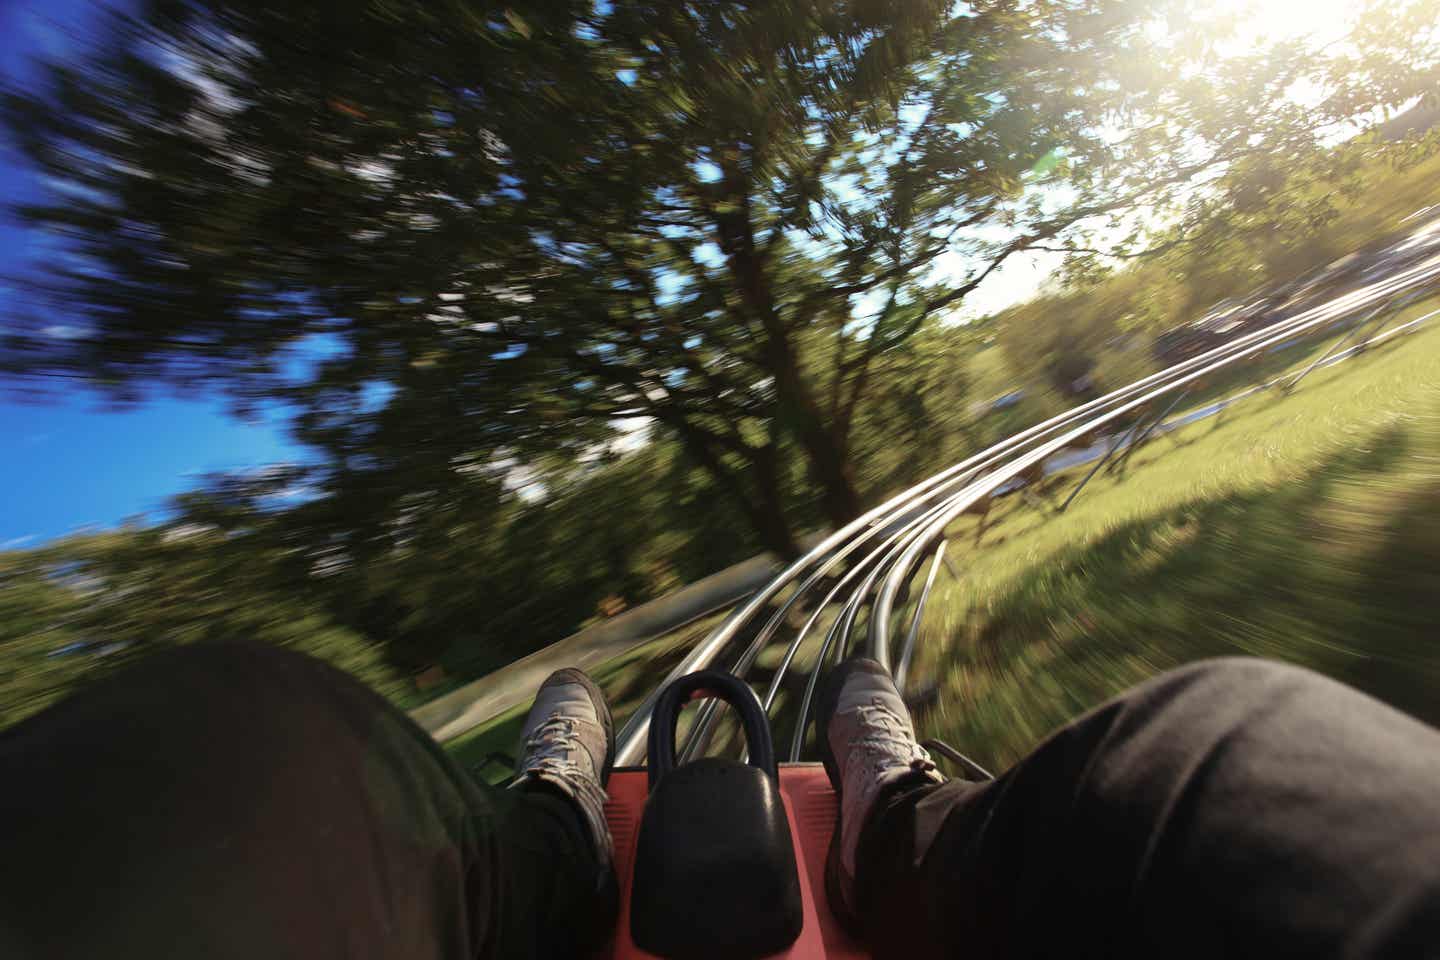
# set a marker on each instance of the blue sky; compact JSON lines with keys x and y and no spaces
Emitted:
{"x":75,"y":462}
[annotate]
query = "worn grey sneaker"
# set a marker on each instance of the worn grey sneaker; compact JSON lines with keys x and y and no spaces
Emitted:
{"x":867,"y":743}
{"x":569,"y":745}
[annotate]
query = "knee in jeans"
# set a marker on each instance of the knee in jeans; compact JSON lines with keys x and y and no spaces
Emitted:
{"x":213,"y":676}
{"x":220,"y":658}
{"x":1240,"y":678}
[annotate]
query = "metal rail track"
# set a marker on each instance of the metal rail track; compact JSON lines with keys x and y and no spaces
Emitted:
{"x":867,"y":564}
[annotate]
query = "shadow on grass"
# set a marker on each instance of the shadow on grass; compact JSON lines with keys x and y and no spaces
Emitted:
{"x":1339,"y":573}
{"x":1258,"y":371}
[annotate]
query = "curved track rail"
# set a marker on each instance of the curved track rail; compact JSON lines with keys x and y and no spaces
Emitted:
{"x":867,"y":566}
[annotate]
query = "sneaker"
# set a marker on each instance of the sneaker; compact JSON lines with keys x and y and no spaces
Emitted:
{"x":867,"y":743}
{"x":569,"y":746}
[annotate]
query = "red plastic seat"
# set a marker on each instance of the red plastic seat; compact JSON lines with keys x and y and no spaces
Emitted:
{"x":811,"y":809}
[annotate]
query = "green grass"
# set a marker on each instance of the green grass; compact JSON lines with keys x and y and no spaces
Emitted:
{"x":626,"y":680}
{"x":1304,"y":528}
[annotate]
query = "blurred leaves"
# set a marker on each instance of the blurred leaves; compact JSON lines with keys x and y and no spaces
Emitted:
{"x":1275,"y":224}
{"x":464,"y":244}
{"x":76,"y":611}
{"x":531,"y":220}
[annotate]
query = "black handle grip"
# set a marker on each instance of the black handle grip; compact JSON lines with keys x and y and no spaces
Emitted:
{"x":660,"y":743}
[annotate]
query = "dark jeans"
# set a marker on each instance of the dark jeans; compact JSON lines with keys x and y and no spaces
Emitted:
{"x":1230,"y":808}
{"x":244,"y":802}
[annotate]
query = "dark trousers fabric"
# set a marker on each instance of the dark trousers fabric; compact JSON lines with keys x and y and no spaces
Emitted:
{"x":1231,"y":808}
{"x":230,"y":801}
{"x":245,"y":802}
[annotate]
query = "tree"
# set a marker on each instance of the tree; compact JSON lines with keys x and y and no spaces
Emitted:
{"x":530,"y":221}
{"x":79,"y":609}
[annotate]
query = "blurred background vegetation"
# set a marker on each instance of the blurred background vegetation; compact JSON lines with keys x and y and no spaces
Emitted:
{"x":1303,"y":527}
{"x":575,"y":303}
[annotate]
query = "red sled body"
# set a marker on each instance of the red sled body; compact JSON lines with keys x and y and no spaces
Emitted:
{"x":810,"y":807}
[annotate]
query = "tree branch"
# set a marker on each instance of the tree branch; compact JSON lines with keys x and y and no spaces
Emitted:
{"x":1119,"y":255}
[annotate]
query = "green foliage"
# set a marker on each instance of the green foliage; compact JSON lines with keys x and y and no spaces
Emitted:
{"x":1301,"y":528}
{"x":467,"y":582}
{"x":81,"y":608}
{"x":465,"y":243}
{"x":529,"y":221}
{"x":1342,"y":200}
{"x":469,"y":576}
{"x":473,"y":593}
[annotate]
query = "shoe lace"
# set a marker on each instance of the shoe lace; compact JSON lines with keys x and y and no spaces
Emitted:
{"x":886,"y":740}
{"x":550,"y":754}
{"x":553,"y":745}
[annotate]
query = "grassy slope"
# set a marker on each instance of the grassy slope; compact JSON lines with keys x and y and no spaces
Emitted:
{"x":1273,"y":530}
{"x":1304,"y":528}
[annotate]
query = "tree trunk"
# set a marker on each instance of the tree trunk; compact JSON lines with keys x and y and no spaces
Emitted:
{"x":763,"y":504}
{"x":831,"y":469}
{"x":774,"y":531}
{"x":798,"y":409}
{"x":770,"y":506}
{"x":825,"y":457}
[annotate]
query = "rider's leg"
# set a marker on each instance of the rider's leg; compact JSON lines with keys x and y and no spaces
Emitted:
{"x":241,"y":801}
{"x":1233,"y":807}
